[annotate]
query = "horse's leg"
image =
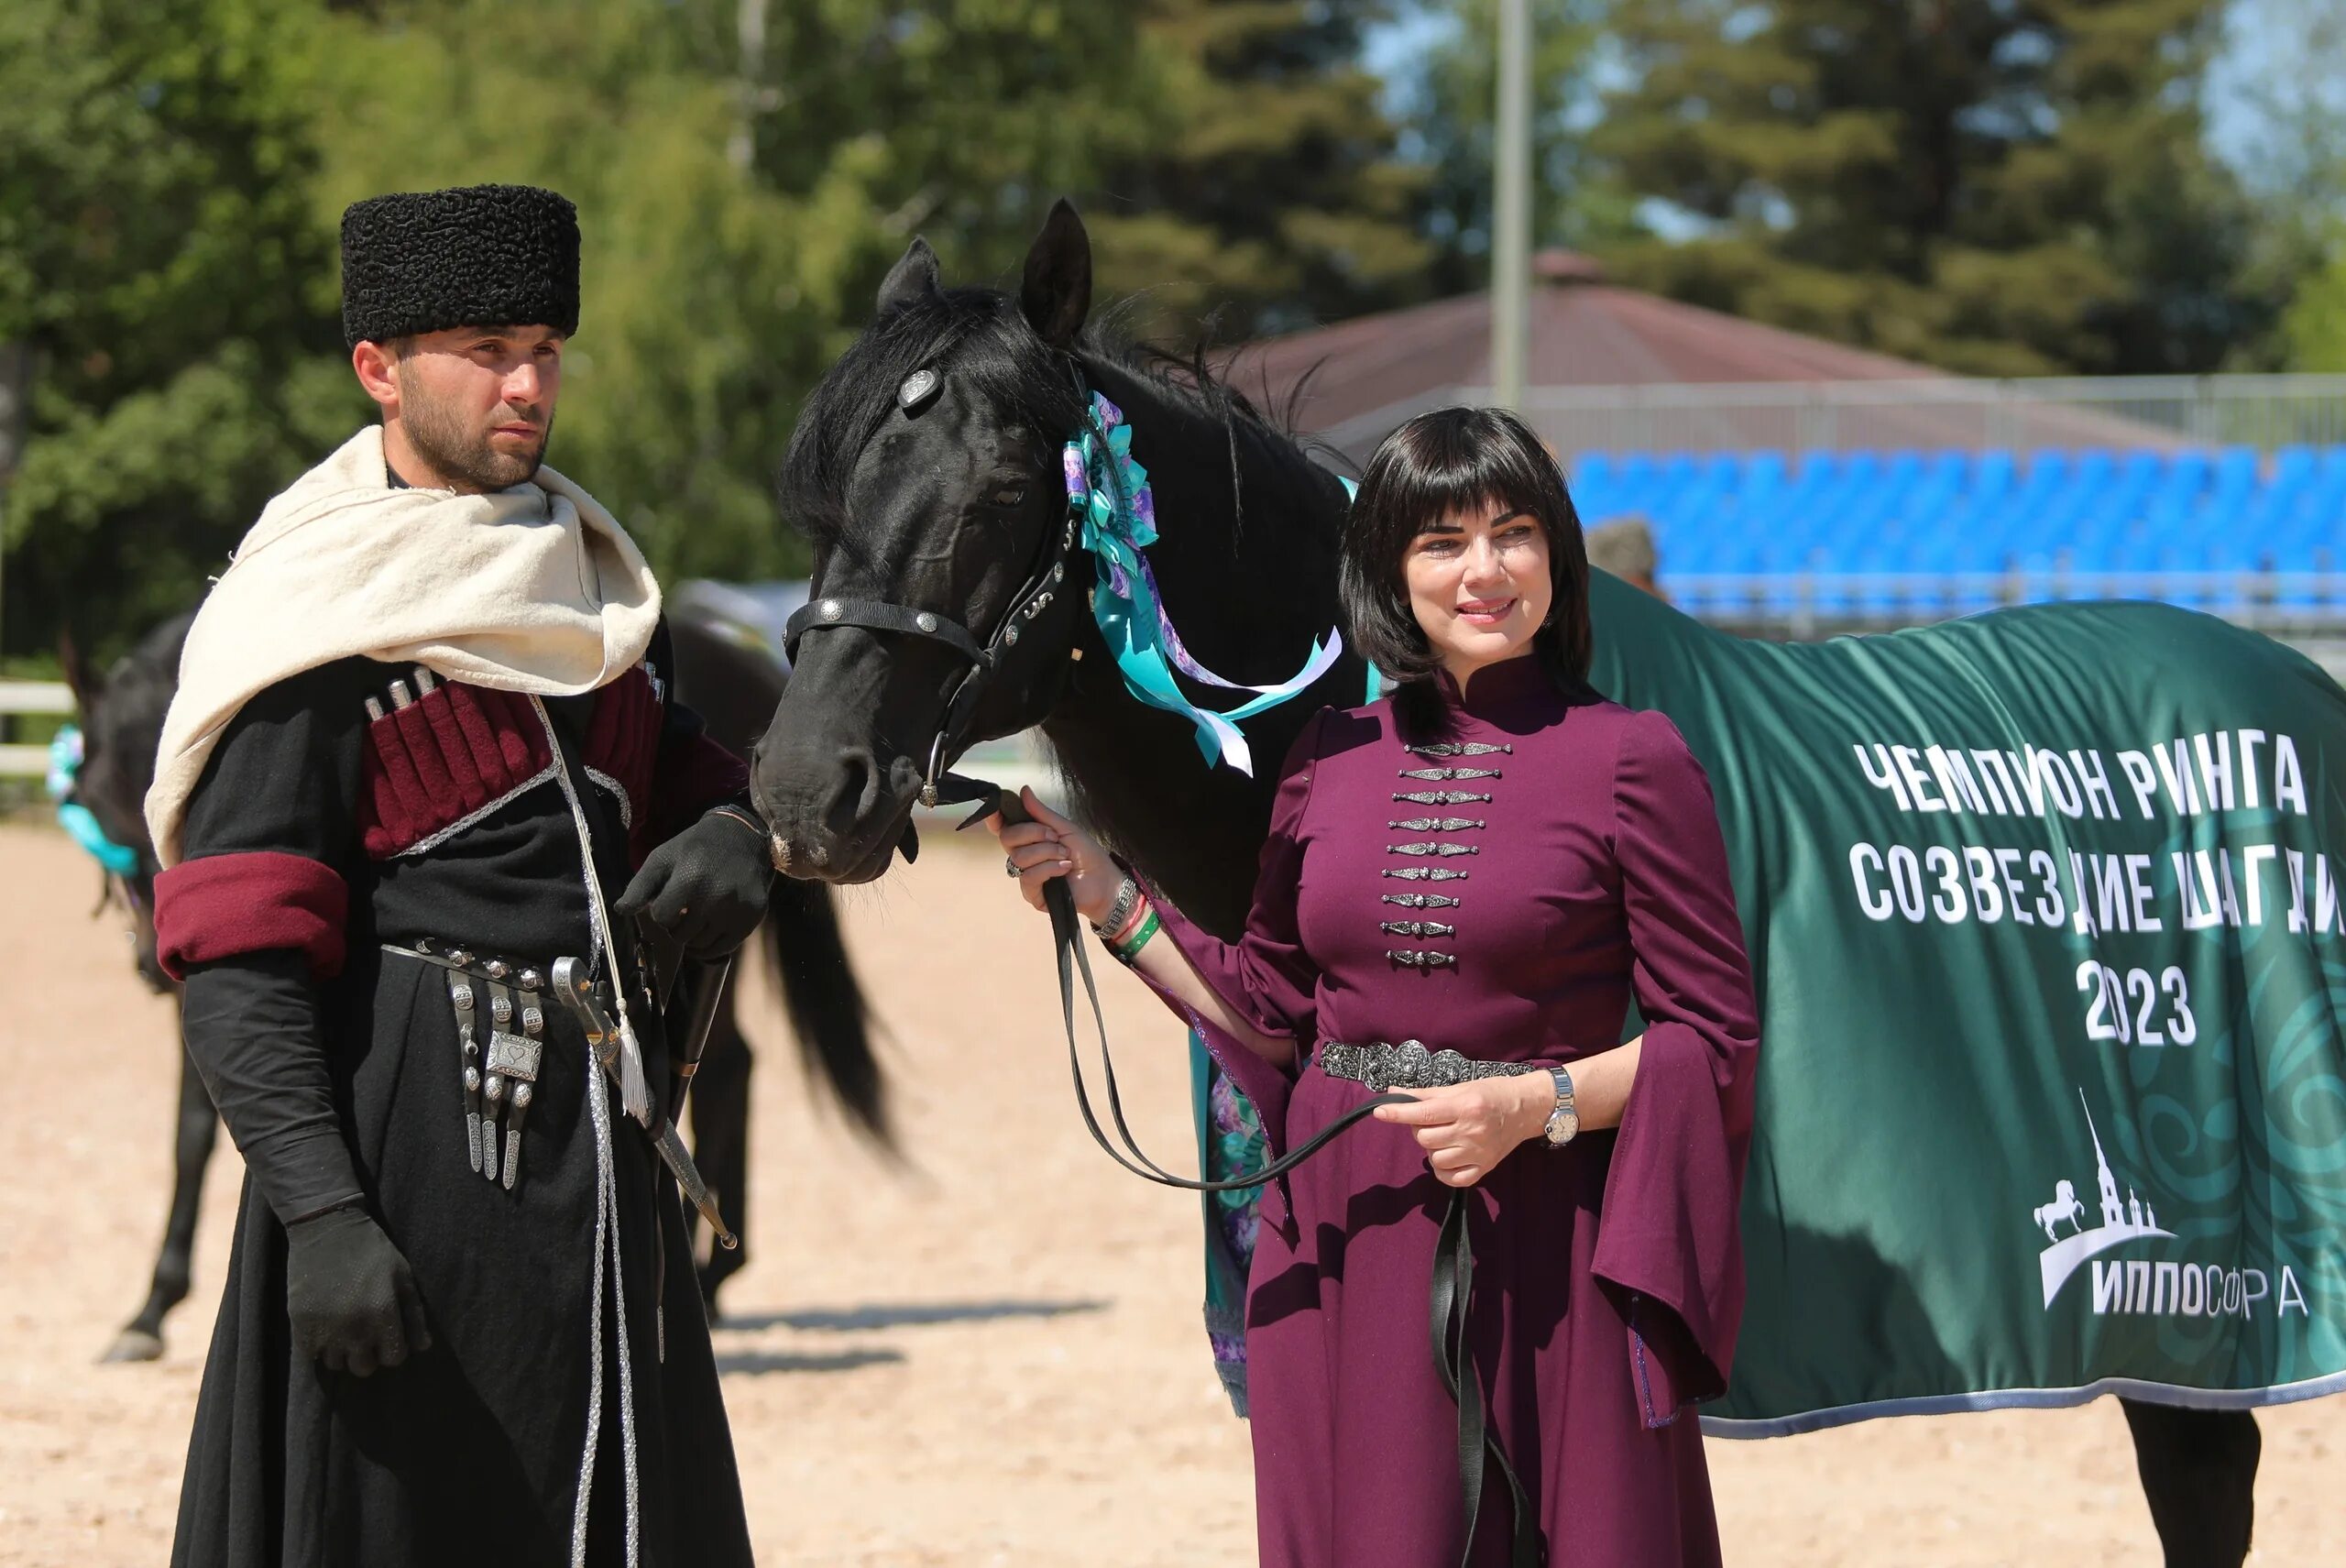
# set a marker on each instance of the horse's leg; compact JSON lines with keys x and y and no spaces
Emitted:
{"x":199,"y":1128}
{"x":2198,"y":1470}
{"x":720,"y":1114}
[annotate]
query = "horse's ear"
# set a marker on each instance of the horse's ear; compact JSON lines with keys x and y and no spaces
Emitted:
{"x":1057,"y":294}
{"x":912,"y":279}
{"x":79,"y":678}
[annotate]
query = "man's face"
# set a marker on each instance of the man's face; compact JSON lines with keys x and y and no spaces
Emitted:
{"x":477,"y":403}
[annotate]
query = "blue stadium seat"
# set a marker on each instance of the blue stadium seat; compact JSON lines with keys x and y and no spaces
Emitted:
{"x":2236,"y":470}
{"x":2048,"y":469}
{"x":1763,"y":471}
{"x":1951,"y":469}
{"x":1993,"y":473}
{"x":2186,"y":473}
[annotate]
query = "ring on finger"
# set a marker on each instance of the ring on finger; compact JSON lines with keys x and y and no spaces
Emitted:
{"x":1010,"y":865}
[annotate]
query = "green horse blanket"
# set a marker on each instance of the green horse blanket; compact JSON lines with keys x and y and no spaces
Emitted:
{"x":2047,"y":913}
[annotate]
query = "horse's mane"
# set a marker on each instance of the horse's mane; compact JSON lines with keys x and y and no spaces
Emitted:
{"x":990,"y":348}
{"x":125,"y":729}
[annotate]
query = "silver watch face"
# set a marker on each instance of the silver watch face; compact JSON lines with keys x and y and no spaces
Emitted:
{"x":1563,"y":1122}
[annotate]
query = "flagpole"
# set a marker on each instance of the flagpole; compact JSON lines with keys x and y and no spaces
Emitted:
{"x":1511,"y":206}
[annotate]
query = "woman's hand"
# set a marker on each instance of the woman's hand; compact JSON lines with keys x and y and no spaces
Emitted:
{"x":1467,"y":1128}
{"x":1051,"y":846}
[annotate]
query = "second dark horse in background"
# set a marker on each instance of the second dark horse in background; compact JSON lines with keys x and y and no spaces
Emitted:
{"x":734,"y":684}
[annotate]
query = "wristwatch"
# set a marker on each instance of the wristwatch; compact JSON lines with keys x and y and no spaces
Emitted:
{"x":1563,"y":1122}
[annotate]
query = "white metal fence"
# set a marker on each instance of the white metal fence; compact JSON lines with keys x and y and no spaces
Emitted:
{"x":1932,"y":413}
{"x":19,"y":760}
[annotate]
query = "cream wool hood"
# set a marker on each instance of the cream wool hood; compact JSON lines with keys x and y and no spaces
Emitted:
{"x":532,"y":589}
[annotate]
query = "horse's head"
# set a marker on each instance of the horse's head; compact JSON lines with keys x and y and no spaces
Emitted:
{"x":927,"y":470}
{"x":122,"y":726}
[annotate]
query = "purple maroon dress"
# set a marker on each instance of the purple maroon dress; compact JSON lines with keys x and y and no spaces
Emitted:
{"x":1608,"y":1275}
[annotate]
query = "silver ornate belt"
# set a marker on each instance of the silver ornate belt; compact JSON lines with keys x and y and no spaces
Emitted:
{"x":1411,"y":1065}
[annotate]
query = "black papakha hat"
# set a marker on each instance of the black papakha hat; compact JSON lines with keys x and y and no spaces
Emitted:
{"x":474,"y":256}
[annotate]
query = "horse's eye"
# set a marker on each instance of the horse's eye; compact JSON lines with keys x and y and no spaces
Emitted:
{"x":1008,"y":495}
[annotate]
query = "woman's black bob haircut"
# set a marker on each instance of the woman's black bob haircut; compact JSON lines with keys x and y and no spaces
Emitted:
{"x":1449,"y":461}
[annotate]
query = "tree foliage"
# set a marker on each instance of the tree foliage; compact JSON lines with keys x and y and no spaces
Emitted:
{"x":1270,"y":194}
{"x":172,"y":172}
{"x":1450,"y":97}
{"x":2001,"y":187}
{"x":2283,"y":80}
{"x":160,"y":261}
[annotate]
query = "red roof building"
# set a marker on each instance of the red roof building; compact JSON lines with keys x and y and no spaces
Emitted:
{"x":1720,"y":382}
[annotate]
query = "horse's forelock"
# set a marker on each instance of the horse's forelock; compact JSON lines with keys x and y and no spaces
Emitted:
{"x":974,"y":337}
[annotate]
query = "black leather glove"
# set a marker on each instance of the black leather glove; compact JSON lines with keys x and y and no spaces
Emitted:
{"x":706,"y":886}
{"x":351,"y":1295}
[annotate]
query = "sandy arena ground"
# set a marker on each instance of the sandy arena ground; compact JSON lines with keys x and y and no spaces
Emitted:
{"x":988,"y":1354}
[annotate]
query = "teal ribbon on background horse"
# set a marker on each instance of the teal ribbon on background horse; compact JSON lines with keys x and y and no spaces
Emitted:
{"x":1111,"y":494}
{"x":65,"y":755}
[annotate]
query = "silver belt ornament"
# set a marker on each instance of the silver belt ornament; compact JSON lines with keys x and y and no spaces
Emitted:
{"x":500,"y":1061}
{"x":501,"y":1085}
{"x":1411,"y":1065}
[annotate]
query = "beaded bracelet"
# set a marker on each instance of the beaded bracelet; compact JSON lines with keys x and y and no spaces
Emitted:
{"x":1124,"y":917}
{"x":1123,"y":911}
{"x":1127,"y":948}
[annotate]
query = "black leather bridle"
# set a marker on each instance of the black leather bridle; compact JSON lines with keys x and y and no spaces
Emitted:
{"x":984,"y":661}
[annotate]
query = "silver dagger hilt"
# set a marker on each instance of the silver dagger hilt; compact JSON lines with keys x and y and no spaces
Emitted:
{"x":571,"y":982}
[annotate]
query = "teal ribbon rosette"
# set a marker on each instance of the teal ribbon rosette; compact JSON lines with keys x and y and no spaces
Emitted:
{"x":1110,"y":492}
{"x":65,"y":754}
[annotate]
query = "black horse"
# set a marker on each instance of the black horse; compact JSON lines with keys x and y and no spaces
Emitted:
{"x":734,"y":681}
{"x":941,"y":493}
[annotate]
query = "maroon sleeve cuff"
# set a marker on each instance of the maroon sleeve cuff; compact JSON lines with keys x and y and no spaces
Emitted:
{"x":1670,"y":1240}
{"x":256,"y":901}
{"x":694,"y":773}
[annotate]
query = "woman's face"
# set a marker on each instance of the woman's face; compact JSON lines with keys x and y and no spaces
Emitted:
{"x":1479,"y":585}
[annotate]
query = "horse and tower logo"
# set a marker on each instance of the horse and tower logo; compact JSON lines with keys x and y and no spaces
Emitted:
{"x":2165,"y":1287}
{"x":2122,"y":1222}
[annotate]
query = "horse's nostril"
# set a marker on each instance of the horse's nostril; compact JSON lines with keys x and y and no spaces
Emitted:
{"x":859,"y":793}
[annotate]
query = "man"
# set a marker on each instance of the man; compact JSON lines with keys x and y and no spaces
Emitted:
{"x":1624,"y":547}
{"x":422,"y":724}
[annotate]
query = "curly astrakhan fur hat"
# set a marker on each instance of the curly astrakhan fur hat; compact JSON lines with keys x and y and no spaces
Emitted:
{"x":474,"y":256}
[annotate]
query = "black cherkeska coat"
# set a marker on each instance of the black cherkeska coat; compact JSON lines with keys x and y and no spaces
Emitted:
{"x":325,"y":826}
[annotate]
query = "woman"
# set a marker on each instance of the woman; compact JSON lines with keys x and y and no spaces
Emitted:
{"x":1492,"y":862}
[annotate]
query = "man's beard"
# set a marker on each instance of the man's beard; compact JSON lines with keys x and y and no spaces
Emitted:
{"x":463,"y":456}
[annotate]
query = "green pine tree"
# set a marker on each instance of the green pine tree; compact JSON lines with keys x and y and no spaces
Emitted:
{"x":168,"y":296}
{"x":1271,"y":193}
{"x":2000,"y":187}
